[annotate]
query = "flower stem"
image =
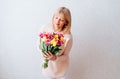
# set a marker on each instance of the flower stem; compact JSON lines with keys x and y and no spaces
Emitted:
{"x":45,"y":64}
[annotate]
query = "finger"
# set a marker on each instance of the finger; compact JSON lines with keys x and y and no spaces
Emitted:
{"x":44,"y":55}
{"x":47,"y":54}
{"x":50,"y":53}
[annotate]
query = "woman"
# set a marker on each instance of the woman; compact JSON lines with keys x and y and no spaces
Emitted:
{"x":58,"y":65}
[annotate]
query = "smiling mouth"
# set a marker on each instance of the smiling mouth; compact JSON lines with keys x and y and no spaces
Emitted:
{"x":57,"y":24}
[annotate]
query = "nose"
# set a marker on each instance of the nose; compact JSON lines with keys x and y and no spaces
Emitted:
{"x":58,"y":21}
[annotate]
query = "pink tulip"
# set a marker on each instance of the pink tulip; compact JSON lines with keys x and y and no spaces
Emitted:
{"x":51,"y":36}
{"x":41,"y":35}
{"x":60,"y":35}
{"x":47,"y":42}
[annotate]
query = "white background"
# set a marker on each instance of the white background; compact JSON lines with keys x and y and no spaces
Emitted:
{"x":95,"y":27}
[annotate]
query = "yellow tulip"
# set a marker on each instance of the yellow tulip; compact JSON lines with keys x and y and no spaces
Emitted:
{"x":62,"y":39}
{"x":44,"y":39}
{"x":54,"y":43}
{"x":51,"y":42}
{"x":56,"y":36}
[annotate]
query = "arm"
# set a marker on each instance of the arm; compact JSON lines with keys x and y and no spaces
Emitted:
{"x":67,"y":49}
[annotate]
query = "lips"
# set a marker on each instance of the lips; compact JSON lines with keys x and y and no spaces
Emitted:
{"x":58,"y":24}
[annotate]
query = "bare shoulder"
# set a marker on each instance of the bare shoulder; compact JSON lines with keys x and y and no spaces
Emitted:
{"x":68,"y":37}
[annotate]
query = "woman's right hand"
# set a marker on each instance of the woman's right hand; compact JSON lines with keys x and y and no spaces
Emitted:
{"x":49,"y":56}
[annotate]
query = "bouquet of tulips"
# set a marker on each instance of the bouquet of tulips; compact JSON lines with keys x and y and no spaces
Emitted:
{"x":51,"y":42}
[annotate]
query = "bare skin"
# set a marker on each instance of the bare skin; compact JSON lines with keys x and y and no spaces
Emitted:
{"x":49,"y":56}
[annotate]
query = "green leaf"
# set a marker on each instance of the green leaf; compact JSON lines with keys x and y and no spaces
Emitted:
{"x":49,"y":48}
{"x":56,"y":50}
{"x":44,"y":47}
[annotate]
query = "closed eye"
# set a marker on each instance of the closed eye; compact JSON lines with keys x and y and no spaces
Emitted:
{"x":56,"y":17}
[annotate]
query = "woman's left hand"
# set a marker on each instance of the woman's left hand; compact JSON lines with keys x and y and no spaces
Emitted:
{"x":49,"y":56}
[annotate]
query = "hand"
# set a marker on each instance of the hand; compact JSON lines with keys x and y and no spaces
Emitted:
{"x":49,"y":56}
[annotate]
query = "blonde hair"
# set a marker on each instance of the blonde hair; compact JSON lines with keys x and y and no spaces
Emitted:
{"x":66,"y":12}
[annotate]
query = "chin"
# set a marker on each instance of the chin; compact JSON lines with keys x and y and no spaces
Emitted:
{"x":57,"y":27}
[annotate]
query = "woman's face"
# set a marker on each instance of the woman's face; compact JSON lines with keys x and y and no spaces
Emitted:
{"x":58,"y":21}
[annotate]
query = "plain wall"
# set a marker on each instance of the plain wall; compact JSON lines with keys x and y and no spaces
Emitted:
{"x":95,"y":27}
